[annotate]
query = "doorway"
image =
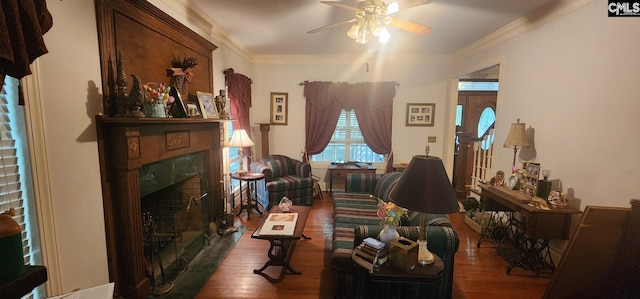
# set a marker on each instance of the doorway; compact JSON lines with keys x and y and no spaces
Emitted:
{"x":475,"y":124}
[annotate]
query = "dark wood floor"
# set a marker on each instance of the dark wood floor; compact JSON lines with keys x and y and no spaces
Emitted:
{"x":478,"y":273}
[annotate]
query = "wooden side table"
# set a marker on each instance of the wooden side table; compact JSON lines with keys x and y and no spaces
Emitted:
{"x":422,"y":274}
{"x":33,"y":277}
{"x":341,"y":170}
{"x":251,"y":179}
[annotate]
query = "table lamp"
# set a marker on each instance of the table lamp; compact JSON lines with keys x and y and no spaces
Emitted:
{"x":425,"y":187}
{"x":517,"y":138}
{"x":240,"y":139}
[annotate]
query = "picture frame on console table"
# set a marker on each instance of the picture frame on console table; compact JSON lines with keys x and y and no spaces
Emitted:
{"x":531,"y":178}
{"x":420,"y":114}
{"x":279,"y":108}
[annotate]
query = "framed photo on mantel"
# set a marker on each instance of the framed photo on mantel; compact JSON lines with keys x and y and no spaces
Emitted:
{"x":279,"y":107}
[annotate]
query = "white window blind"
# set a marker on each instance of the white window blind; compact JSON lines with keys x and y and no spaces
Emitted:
{"x":347,"y":143}
{"x":14,"y":182}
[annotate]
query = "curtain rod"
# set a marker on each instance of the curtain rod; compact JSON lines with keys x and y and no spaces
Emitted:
{"x":305,"y":82}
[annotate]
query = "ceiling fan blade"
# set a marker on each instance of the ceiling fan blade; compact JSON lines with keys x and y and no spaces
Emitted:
{"x":410,"y":26}
{"x":404,"y":4}
{"x":338,"y":4}
{"x":331,"y":26}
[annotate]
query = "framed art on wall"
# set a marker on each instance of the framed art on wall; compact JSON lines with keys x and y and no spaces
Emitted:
{"x":279,"y":107}
{"x":207,"y":105}
{"x":420,"y":114}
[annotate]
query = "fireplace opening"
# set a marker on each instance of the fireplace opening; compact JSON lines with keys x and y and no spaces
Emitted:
{"x":175,"y":212}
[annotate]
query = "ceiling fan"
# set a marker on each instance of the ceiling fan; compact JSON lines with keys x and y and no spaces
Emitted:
{"x":372,"y":17}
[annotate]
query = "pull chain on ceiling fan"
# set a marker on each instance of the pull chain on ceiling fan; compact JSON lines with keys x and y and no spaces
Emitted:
{"x":372,"y":17}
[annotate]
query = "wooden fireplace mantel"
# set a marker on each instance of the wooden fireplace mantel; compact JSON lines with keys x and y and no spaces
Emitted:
{"x":127,"y":144}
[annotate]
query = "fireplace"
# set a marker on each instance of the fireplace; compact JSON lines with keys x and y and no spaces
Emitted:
{"x":159,"y":174}
{"x":175,"y":213}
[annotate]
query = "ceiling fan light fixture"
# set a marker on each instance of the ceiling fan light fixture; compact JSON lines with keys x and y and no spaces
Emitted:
{"x":393,"y":7}
{"x":362,"y":37}
{"x":354,"y":31}
{"x":384,"y":36}
{"x":376,"y":27}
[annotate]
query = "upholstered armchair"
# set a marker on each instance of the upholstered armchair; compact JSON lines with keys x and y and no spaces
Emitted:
{"x":283,"y":176}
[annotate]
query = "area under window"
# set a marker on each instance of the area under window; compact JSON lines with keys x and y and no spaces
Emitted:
{"x":347,"y":143}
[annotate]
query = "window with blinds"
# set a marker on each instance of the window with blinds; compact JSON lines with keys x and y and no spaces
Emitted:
{"x":15,"y":190}
{"x":347,"y":143}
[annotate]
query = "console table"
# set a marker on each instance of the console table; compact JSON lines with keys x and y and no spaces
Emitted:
{"x":340,"y":171}
{"x":531,"y":231}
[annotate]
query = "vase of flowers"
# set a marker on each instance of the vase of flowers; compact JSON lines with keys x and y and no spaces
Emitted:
{"x":390,"y":215}
{"x":156,"y":98}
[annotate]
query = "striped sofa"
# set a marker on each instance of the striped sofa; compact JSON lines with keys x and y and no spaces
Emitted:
{"x":283,"y":176}
{"x":355,"y":218}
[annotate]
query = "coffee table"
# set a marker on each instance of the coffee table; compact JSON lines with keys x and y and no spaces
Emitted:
{"x":281,"y":248}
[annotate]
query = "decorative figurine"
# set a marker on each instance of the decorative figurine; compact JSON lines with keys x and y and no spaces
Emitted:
{"x":127,"y":105}
{"x":221,"y":102}
{"x":181,"y":73}
{"x":498,"y":180}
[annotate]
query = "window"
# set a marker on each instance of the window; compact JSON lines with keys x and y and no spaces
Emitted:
{"x":486,"y":121}
{"x":15,"y":184}
{"x":347,"y":143}
{"x":478,"y":85}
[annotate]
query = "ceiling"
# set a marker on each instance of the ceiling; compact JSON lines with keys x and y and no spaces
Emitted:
{"x":279,"y":27}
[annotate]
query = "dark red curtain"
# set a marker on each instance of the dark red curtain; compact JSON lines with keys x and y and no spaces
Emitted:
{"x":373,"y":105}
{"x":239,"y":92}
{"x":322,"y":113}
{"x":374,"y":111}
{"x":22,"y":26}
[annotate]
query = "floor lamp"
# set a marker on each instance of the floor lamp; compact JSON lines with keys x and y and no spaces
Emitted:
{"x":240,"y":139}
{"x":425,"y":187}
{"x":517,"y":138}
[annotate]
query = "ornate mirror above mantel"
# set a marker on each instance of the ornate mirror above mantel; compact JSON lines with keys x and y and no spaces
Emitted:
{"x":134,"y":151}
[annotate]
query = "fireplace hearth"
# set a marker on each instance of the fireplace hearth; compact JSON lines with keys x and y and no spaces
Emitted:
{"x":161,"y":187}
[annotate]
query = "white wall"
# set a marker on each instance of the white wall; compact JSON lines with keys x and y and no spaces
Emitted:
{"x":69,"y":77}
{"x":574,"y":80}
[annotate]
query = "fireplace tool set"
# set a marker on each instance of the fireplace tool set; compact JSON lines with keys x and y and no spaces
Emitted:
{"x":152,"y":251}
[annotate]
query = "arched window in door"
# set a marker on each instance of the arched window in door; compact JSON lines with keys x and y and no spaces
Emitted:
{"x":486,"y":121}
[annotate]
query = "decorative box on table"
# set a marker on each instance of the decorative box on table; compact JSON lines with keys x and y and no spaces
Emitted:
{"x":404,"y":254}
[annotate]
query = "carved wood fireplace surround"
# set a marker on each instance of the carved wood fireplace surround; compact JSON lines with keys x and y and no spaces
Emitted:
{"x":147,"y":40}
{"x":126,"y":145}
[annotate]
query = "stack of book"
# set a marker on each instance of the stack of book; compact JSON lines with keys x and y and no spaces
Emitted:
{"x":372,"y":251}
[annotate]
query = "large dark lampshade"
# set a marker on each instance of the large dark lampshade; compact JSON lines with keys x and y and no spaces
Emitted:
{"x":425,"y":187}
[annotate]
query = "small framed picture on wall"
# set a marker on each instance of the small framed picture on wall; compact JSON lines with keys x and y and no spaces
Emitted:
{"x":420,"y":114}
{"x":279,"y":108}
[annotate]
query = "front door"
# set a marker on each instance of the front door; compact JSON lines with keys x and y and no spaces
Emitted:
{"x":473,"y":103}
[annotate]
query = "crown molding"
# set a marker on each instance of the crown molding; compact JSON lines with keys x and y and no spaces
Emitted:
{"x":348,"y":59}
{"x":540,"y":16}
{"x":210,"y":29}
